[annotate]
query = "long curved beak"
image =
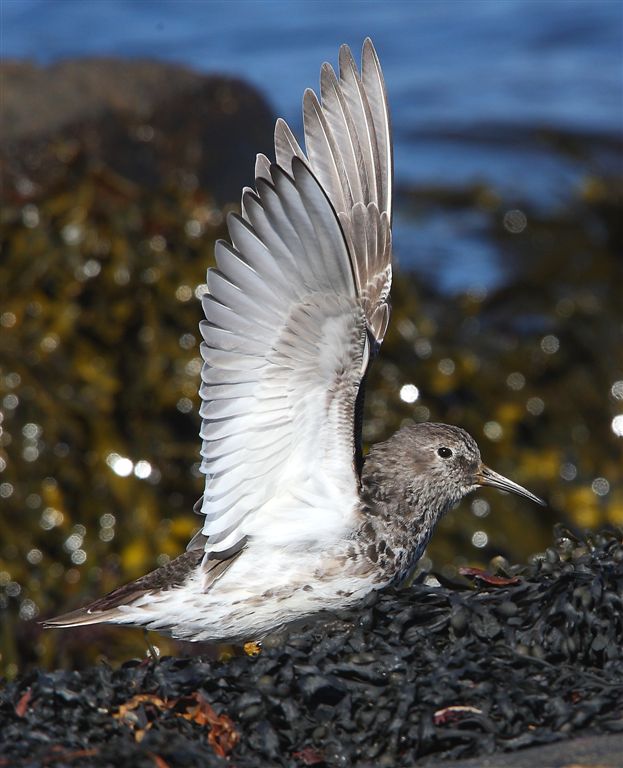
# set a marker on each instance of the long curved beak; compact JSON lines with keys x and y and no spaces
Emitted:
{"x":486,"y":476}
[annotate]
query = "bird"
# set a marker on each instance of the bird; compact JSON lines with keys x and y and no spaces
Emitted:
{"x":296,"y":520}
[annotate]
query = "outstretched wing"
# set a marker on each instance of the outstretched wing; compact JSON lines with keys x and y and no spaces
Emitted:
{"x":348,"y":142}
{"x":291,"y":310}
{"x":296,"y":307}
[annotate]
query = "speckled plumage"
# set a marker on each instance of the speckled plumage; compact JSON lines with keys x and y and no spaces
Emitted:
{"x":407,"y":488}
{"x":296,"y":521}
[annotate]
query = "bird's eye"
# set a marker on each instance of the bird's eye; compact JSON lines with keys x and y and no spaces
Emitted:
{"x":444,"y":452}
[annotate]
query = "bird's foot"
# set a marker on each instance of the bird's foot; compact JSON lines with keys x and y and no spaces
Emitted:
{"x":252,"y":649}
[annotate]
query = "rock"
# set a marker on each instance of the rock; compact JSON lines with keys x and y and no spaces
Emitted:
{"x":154,"y":123}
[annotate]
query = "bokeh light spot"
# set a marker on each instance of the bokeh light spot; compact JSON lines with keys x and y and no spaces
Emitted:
{"x":493,"y":430}
{"x":515,"y":381}
{"x":51,"y":518}
{"x":183,"y":293}
{"x":568,"y":471}
{"x":184,"y":405}
{"x":194,"y":228}
{"x":31,"y":431}
{"x":30,"y":216}
{"x":480,"y":507}
{"x":7,"y":319}
{"x":600,"y":486}
{"x":120,"y":465}
{"x":78,"y":556}
{"x":10,"y":402}
{"x":409,"y":393}
{"x":550,"y":344}
{"x":142,"y":469}
{"x":34,"y":556}
{"x":446,"y":366}
{"x":158,"y":243}
{"x":28,"y":610}
{"x":515,"y":221}
{"x":423,"y":348}
{"x":535,"y":406}
{"x":187,"y":341}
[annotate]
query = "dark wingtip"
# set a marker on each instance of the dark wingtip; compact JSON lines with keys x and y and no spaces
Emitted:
{"x":72,"y":618}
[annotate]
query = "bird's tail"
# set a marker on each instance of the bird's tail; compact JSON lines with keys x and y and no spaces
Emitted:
{"x":83,"y":617}
{"x":130,"y":603}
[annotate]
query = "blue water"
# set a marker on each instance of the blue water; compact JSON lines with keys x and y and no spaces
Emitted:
{"x":452,"y":66}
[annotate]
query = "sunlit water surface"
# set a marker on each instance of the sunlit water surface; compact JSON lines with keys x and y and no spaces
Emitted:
{"x":471,"y":85}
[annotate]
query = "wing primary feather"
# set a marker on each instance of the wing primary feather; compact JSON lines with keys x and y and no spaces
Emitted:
{"x":324,"y":155}
{"x":355,"y":97}
{"x":262,"y":167}
{"x":329,"y":235}
{"x":374,"y":84}
{"x":286,"y":146}
{"x":344,"y":133}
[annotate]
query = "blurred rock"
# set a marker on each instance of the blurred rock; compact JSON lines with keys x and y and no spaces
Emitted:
{"x":152,"y":122}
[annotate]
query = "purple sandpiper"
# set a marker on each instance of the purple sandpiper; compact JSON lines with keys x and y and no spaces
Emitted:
{"x":297,"y":520}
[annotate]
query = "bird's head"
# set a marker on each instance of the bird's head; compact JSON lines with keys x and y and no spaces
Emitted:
{"x":438,"y":463}
{"x":450,"y":458}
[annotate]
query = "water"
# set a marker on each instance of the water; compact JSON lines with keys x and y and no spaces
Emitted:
{"x":456,"y":70}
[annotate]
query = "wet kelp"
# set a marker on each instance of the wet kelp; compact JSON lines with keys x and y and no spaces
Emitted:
{"x":99,"y":368}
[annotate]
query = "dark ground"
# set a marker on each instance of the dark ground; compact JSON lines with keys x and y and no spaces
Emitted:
{"x":492,"y":664}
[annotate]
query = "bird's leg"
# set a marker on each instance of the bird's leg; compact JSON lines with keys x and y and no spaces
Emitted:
{"x":152,"y":651}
